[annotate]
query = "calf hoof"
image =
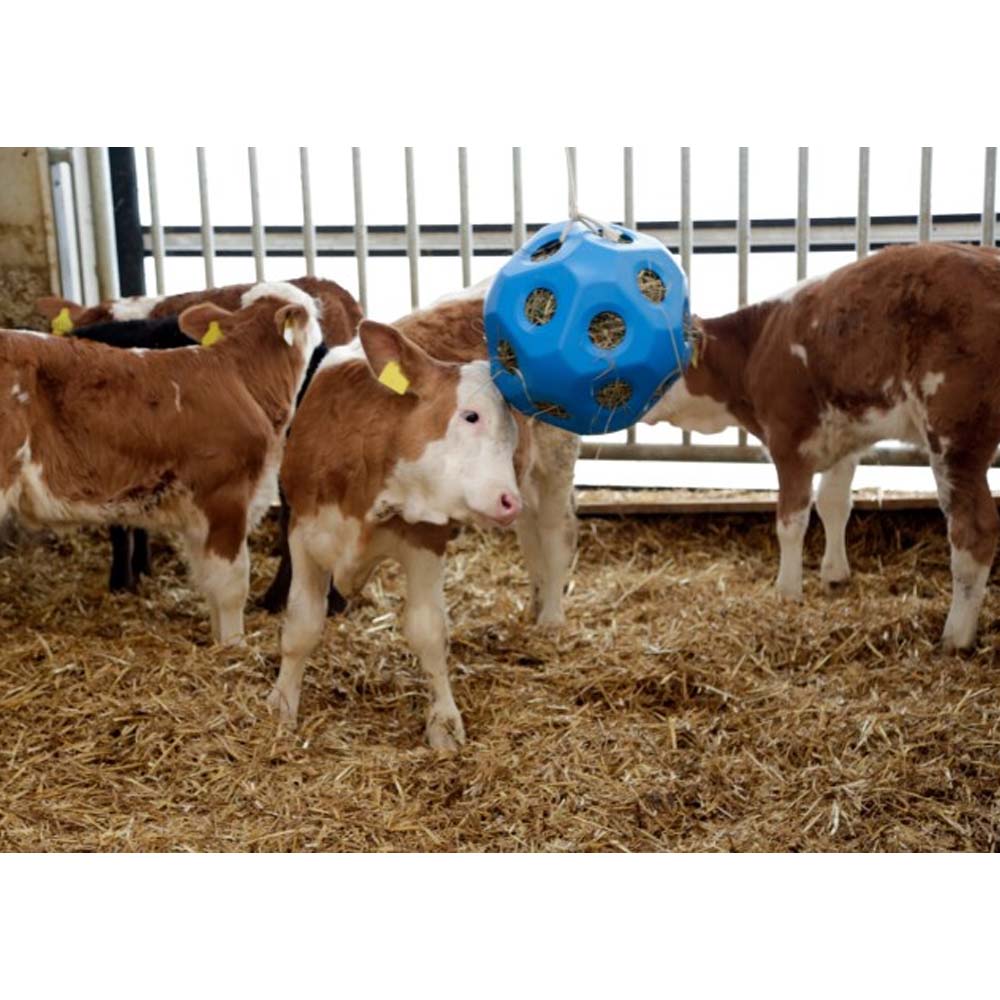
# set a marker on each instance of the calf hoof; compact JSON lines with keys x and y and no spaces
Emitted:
{"x":280,"y":704}
{"x":956,"y":643}
{"x":121,"y":582}
{"x":335,"y":602}
{"x":835,"y":585}
{"x":793,"y":595}
{"x":445,"y":730}
{"x":550,"y":621}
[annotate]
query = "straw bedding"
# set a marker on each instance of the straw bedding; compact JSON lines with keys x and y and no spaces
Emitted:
{"x":684,"y":706}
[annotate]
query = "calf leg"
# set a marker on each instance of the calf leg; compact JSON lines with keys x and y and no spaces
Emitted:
{"x":276,"y":596}
{"x":302,"y":629}
{"x":141,"y":563}
{"x":426,"y":628}
{"x":833,"y":503}
{"x":547,"y":532}
{"x":122,"y":576}
{"x":226,"y":582}
{"x":220,"y":568}
{"x":972,"y":531}
{"x":794,"y":498}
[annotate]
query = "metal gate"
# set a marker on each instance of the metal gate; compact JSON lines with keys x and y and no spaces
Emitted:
{"x":85,"y":225}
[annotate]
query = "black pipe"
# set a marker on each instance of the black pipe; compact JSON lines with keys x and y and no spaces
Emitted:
{"x":128,"y":228}
{"x":129,"y":548}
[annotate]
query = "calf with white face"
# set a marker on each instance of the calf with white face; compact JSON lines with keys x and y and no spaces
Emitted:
{"x":389,"y":449}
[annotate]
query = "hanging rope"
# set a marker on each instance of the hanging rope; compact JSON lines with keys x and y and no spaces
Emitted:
{"x":575,"y":215}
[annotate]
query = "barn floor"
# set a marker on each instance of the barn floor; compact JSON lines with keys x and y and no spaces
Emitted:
{"x":684,"y":706}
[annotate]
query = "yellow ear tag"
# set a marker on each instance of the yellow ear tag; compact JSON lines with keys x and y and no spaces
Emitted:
{"x":393,"y":377}
{"x":62,"y":324}
{"x":212,"y":335}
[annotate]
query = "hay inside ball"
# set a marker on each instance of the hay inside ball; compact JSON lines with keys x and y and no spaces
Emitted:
{"x":586,"y":332}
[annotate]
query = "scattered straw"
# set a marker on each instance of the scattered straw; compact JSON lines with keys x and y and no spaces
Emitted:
{"x":683,"y":707}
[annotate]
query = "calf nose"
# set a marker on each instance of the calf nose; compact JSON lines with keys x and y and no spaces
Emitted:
{"x":509,"y":508}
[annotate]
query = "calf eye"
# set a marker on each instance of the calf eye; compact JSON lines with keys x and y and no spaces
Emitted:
{"x":470,"y":416}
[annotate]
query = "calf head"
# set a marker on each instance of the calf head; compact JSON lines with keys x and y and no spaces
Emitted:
{"x":276,"y":313}
{"x":456,"y":438}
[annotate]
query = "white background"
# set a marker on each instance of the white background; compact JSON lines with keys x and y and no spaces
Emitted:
{"x":761,"y":73}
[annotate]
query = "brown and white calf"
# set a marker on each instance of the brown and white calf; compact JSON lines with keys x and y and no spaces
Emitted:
{"x":150,"y":322}
{"x":187,"y":440}
{"x":377,"y":471}
{"x":903,"y":345}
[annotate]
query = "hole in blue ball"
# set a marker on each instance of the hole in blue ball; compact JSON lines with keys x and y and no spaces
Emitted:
{"x":552,"y":410}
{"x":606,"y":330}
{"x":651,"y":285}
{"x":507,"y":357}
{"x":614,"y":394}
{"x":540,"y":307}
{"x":547,"y":250}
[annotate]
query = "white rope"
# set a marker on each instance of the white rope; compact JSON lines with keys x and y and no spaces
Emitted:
{"x":575,"y":215}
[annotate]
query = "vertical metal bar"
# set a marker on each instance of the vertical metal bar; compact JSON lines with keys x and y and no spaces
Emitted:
{"x":571,"y":167}
{"x":687,"y":232}
{"x":629,"y":192}
{"x":802,"y":219}
{"x":743,"y":241}
{"x":864,"y":217}
{"x":360,"y":232}
{"x":207,"y":235}
{"x":104,"y":221}
{"x":520,"y":234}
{"x":257,"y":225}
{"x":924,"y":228}
{"x":412,"y":234}
{"x":629,"y":182}
{"x":85,"y":225}
{"x":743,"y":227}
{"x":64,"y":214}
{"x":465,"y":226}
{"x":687,"y":229}
{"x":155,"y":226}
{"x":308,"y":229}
{"x":989,"y":197}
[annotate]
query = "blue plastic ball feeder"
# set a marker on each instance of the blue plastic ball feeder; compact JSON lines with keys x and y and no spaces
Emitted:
{"x":587,"y":333}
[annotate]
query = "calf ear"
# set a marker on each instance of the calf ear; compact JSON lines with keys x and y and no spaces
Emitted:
{"x":396,"y":362}
{"x":291,"y":320}
{"x":206,"y":323}
{"x":62,"y":314}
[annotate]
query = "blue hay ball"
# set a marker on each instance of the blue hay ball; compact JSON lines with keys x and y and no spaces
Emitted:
{"x":586,"y":333}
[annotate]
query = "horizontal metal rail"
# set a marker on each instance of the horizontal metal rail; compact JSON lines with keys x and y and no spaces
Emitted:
{"x":495,"y":240}
{"x":622,"y":452}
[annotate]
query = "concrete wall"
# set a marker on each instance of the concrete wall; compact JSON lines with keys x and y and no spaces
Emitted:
{"x":28,"y":257}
